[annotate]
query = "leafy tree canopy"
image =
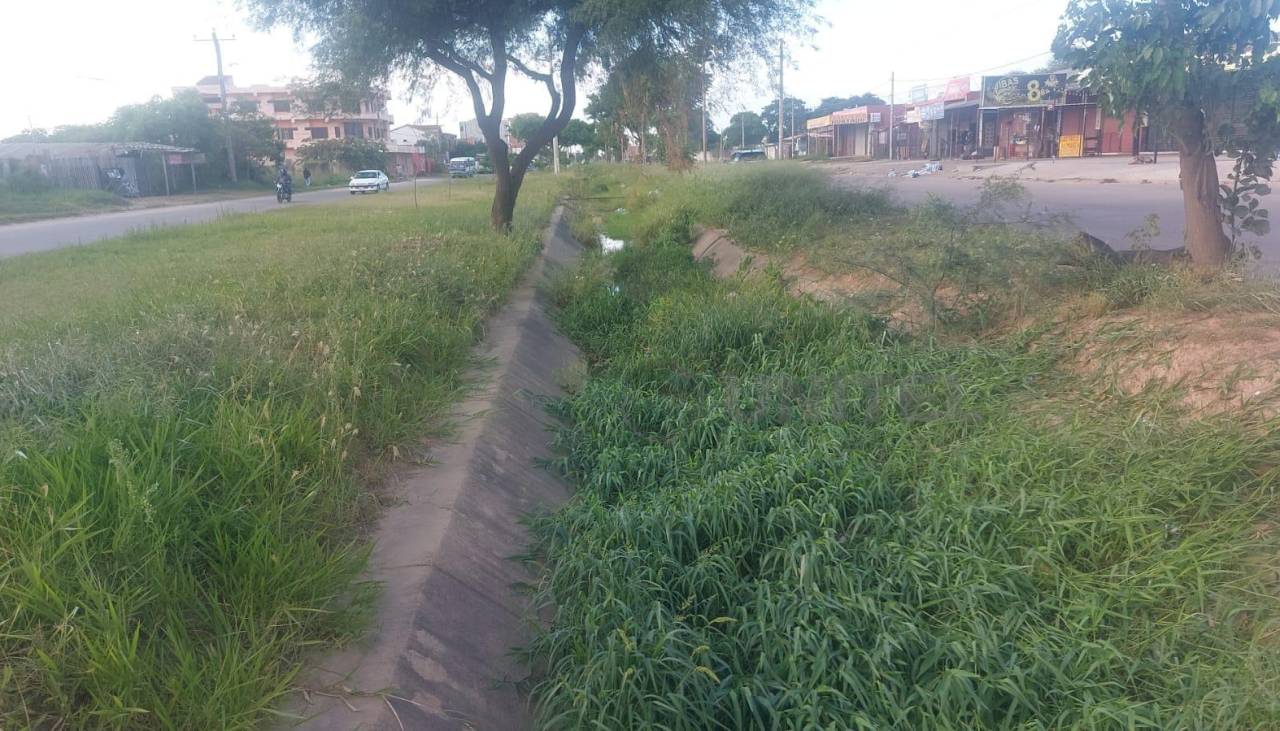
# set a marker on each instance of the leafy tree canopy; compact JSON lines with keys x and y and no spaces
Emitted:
{"x":524,"y":126}
{"x":577,"y":133}
{"x":792,"y":108}
{"x":1206,"y":70}
{"x":836,"y":103}
{"x":746,"y":129}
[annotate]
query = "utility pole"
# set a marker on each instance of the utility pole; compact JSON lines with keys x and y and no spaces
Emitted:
{"x":704,"y":112}
{"x":781,"y":95}
{"x":793,"y":129}
{"x":891,"y":117}
{"x":742,"y":123}
{"x":222,"y":86}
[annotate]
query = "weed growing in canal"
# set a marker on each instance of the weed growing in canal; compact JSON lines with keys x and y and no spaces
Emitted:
{"x":790,"y":517}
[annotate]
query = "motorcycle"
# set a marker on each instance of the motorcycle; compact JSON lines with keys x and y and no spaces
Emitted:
{"x":284,"y":192}
{"x":119,"y":183}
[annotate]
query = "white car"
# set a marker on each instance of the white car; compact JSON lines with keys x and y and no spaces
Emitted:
{"x":369,"y":181}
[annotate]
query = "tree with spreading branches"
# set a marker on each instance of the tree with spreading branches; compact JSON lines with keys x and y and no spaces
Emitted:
{"x":553,"y":42}
{"x":1209,"y":72}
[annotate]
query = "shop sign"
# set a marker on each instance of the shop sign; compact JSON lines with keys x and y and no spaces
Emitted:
{"x":957,"y":90}
{"x":919,"y":93}
{"x":911,"y":117}
{"x":1023,"y":90}
{"x":851,"y":116}
{"x":932,"y":112}
{"x":818,"y":122}
{"x":1071,"y":146}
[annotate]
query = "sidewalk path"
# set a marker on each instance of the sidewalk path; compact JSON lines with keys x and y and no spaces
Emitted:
{"x":1108,"y":210}
{"x":1109,"y":169}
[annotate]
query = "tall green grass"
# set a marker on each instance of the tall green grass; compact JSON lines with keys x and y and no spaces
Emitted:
{"x":18,"y":205}
{"x":788,"y":516}
{"x":186,"y":421}
{"x":952,"y":270}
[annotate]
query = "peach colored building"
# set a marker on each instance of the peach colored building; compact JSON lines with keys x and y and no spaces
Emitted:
{"x":296,"y":124}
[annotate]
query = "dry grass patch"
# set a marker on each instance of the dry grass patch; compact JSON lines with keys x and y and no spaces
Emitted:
{"x":1213,"y":362}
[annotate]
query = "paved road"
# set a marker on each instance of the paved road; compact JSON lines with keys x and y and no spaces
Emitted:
{"x":22,"y":238}
{"x":1107,"y":210}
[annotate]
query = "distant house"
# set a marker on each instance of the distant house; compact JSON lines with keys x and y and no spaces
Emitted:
{"x":295,"y":121}
{"x":420,"y":134}
{"x":127,"y":168}
{"x":470,"y":133}
{"x":418,"y":149}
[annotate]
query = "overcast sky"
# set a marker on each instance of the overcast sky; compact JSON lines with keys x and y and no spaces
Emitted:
{"x":75,"y":61}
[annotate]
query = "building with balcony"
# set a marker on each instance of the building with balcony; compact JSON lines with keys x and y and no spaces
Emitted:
{"x":296,"y":121}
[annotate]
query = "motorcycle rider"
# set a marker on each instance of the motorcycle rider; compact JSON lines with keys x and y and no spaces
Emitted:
{"x":285,"y":180}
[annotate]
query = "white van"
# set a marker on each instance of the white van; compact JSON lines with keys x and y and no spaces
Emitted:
{"x":462,"y":167}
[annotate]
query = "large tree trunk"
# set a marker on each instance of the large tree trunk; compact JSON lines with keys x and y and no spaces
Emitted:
{"x":644,"y":133}
{"x":1208,"y":246}
{"x":674,"y":142}
{"x":503,"y":211}
{"x":505,"y":189}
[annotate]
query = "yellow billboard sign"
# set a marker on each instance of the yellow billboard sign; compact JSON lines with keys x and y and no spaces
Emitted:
{"x":1071,"y":146}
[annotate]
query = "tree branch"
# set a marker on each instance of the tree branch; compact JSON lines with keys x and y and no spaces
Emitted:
{"x":561,"y":106}
{"x":546,"y":78}
{"x":535,"y":75}
{"x":442,"y":57}
{"x":475,"y":67}
{"x":498,"y":44}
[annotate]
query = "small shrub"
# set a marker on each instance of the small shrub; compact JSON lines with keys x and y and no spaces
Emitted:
{"x":583,"y":228}
{"x":1136,"y":283}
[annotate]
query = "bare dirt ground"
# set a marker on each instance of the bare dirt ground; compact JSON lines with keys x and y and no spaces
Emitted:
{"x":1210,"y":362}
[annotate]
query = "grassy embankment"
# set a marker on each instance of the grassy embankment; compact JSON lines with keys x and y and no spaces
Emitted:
{"x":791,"y":514}
{"x":186,"y":417}
{"x":18,"y":206}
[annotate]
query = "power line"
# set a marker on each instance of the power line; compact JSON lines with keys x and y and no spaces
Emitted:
{"x":983,"y":71}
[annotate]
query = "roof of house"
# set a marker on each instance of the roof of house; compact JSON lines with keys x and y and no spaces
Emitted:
{"x":13,"y":150}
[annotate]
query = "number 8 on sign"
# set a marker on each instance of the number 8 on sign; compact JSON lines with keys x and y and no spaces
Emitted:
{"x":1033,"y":90}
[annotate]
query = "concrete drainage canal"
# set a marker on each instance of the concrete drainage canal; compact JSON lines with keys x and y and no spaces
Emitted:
{"x":438,"y":654}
